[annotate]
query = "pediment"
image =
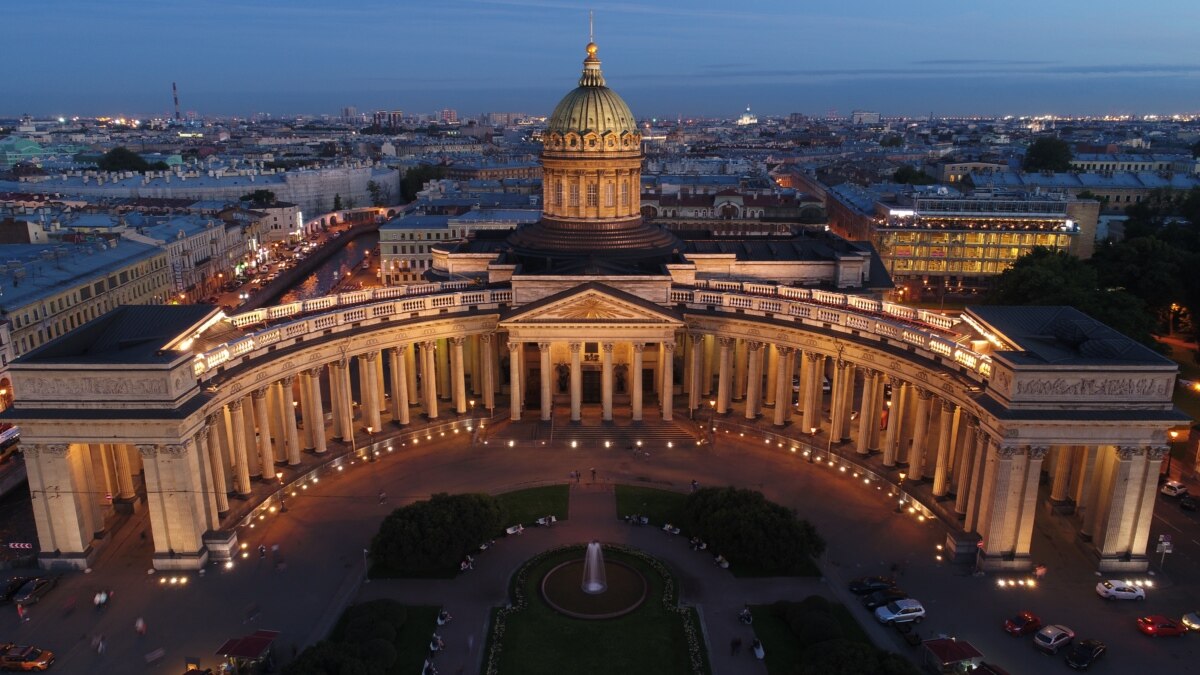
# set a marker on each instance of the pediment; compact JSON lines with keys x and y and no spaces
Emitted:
{"x":593,"y":304}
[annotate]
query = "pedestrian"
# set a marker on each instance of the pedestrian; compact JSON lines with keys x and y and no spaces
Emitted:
{"x":382,"y":496}
{"x":100,"y":645}
{"x":577,"y":475}
{"x":262,"y":550}
{"x":22,"y":613}
{"x":735,"y":647}
{"x":593,"y":474}
{"x":96,"y":600}
{"x":1040,"y":572}
{"x":139,"y":626}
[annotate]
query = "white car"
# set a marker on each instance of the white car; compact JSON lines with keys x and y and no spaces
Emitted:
{"x":1173,"y":488}
{"x":900,"y":611}
{"x":1052,"y":638}
{"x":1119,"y":590}
{"x":1192,"y":620}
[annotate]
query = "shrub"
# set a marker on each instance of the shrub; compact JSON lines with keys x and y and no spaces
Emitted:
{"x":744,"y":527}
{"x":432,"y":537}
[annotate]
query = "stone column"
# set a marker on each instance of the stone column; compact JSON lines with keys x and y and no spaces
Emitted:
{"x":317,"y":407}
{"x":877,"y":407}
{"x":945,"y":420}
{"x":576,"y":383}
{"x":891,"y":441}
{"x":635,"y":381}
{"x":606,"y":381}
{"x":753,"y":378}
{"x":345,"y":416}
{"x":380,"y":388}
{"x":487,"y":363}
{"x":212,"y":449}
{"x":514,"y":380}
{"x":724,"y":373}
{"x":783,"y":385}
{"x":739,"y":370}
{"x":458,"y":375}
{"x":429,"y":378}
{"x":306,"y":412}
{"x":1144,"y":513}
{"x":980,"y":465}
{"x":772,"y":357}
{"x":337,"y":409}
{"x":241,"y":480}
{"x":708,"y":359}
{"x":1001,"y":490}
{"x":545,"y":377}
{"x":847,"y":400}
{"x":1029,"y":500}
{"x":275,"y":419}
{"x":441,"y":353}
{"x":966,"y":459}
{"x":788,"y":364}
{"x":266,"y":454}
{"x":398,"y":366}
{"x":837,"y":398}
{"x":289,"y":422}
{"x":369,"y":363}
{"x":204,"y":459}
{"x":695,"y":369}
{"x":668,"y":380}
{"x":175,"y":501}
{"x":410,"y":366}
{"x":916,"y":458}
{"x":1115,"y":522}
{"x":1062,"y":473}
{"x":125,"y":489}
{"x":866,"y":415}
{"x":809,"y":392}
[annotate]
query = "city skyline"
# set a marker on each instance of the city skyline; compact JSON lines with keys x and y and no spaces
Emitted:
{"x":667,"y":59}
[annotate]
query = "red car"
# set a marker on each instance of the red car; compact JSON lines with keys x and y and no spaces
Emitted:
{"x":1158,"y":625}
{"x":1023,"y":623}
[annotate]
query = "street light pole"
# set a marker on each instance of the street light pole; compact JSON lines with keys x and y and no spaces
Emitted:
{"x":282,"y":501}
{"x":366,"y":567}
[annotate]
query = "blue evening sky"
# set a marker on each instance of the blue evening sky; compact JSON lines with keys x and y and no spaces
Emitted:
{"x":666,"y":57}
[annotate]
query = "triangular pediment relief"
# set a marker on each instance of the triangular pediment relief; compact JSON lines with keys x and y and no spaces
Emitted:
{"x":592,"y":305}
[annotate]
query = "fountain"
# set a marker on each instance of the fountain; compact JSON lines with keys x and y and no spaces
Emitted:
{"x":610,"y":588}
{"x":593,"y":570}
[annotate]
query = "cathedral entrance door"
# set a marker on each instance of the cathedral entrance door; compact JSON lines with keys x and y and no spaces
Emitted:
{"x":591,"y":386}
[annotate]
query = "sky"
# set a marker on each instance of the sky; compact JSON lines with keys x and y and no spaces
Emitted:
{"x":667,"y":58}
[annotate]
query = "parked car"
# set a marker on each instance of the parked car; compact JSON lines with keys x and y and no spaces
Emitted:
{"x":900,"y":611}
{"x":1023,"y":623}
{"x":1052,"y":638}
{"x":881,"y":598}
{"x":1173,"y":488}
{"x":1187,"y":503}
{"x":1157,"y":625}
{"x":11,"y":587}
{"x":24,"y":658}
{"x":1112,"y":589}
{"x":34,"y":589}
{"x":1191,"y":620}
{"x":1084,"y":653}
{"x":864,"y":585}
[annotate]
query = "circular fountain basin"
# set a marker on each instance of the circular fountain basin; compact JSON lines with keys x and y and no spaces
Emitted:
{"x":562,"y":590}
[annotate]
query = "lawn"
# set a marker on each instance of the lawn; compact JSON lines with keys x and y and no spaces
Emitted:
{"x":661,"y":506}
{"x":783,"y":648}
{"x":526,"y":506}
{"x":360,"y":627}
{"x":535,"y":640}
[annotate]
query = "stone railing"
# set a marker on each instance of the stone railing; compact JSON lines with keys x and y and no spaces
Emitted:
{"x":924,"y":330}
{"x":293,"y":321}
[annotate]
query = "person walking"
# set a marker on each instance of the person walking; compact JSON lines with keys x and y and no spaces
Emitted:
{"x":593,"y":474}
{"x":139,"y":626}
{"x":22,"y":613}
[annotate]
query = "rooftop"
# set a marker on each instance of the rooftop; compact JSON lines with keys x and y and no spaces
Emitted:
{"x":1061,"y":336}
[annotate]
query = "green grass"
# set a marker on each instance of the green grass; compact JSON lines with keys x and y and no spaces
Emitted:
{"x":412,"y":644}
{"x":782,"y":648}
{"x":526,"y":506}
{"x":661,"y":506}
{"x":538,"y":641}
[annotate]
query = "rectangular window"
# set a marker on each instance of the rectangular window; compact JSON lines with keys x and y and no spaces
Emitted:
{"x":593,"y":198}
{"x":574,"y":194}
{"x":610,"y":197}
{"x":558,"y":197}
{"x":624,"y":193}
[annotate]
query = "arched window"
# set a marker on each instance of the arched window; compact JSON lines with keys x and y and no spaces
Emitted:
{"x":610,"y":197}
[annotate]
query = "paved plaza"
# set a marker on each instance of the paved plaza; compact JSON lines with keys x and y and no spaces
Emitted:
{"x":322,"y":535}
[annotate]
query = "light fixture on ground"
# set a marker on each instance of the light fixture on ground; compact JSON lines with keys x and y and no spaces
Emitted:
{"x":282,"y":503}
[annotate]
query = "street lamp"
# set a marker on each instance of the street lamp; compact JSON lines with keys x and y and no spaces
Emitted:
{"x":900,"y":486}
{"x":282,"y":503}
{"x":371,"y":442}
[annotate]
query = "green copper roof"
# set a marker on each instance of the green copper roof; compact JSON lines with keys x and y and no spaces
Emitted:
{"x":592,"y":106}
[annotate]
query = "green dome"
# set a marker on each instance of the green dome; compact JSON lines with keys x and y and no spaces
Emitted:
{"x":592,"y":107}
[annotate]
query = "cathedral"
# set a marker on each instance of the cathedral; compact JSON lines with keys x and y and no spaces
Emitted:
{"x":593,"y":314}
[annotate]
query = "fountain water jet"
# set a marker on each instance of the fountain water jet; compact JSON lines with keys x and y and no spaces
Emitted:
{"x":594,"y":579}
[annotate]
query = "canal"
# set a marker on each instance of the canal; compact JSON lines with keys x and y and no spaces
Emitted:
{"x":334,"y":271}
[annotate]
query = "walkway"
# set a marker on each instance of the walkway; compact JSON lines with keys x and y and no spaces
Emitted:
{"x":715,"y":593}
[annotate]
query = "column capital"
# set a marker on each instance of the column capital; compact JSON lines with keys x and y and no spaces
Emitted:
{"x":896,"y":381}
{"x":210,"y":419}
{"x":514,"y":346}
{"x":696,"y":339}
{"x":176,"y":449}
{"x":147,"y":450}
{"x":924,"y":394}
{"x":972,"y":421}
{"x":726,"y":341}
{"x":235,"y":406}
{"x":56,"y":449}
{"x":458,"y":341}
{"x":785,"y":350}
{"x":340,"y":363}
{"x":371,"y":356}
{"x":288,"y":380}
{"x":948,"y":406}
{"x":401,"y":349}
{"x":258,"y":394}
{"x":1008,"y":451}
{"x":868,"y":373}
{"x":1127,"y":452}
{"x":607,"y":347}
{"x":431,"y":345}
{"x":486,"y":338}
{"x":574,"y":347}
{"x":753,"y":345}
{"x":668,"y":345}
{"x":1157,"y":452}
{"x":543,"y":346}
{"x":314,"y":372}
{"x":1038,"y":451}
{"x":639,"y":347}
{"x":981,"y":436}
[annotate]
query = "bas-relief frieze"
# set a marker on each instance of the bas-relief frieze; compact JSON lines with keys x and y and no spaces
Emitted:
{"x":90,"y":385}
{"x":1140,"y":387}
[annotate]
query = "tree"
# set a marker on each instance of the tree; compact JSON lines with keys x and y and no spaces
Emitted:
{"x":891,"y":141}
{"x":337,"y":202}
{"x":1147,"y":267}
{"x":415,"y":179}
{"x":259,"y":197}
{"x":910,"y":176}
{"x":376,"y":193}
{"x":1048,"y":154}
{"x":1088,"y":194}
{"x":747,"y":529}
{"x":123,"y":159}
{"x":432,"y":537}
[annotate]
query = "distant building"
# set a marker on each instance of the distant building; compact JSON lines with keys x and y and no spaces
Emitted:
{"x":448,"y":116}
{"x":864,"y":117}
{"x":406,"y":244}
{"x":349,"y":114}
{"x":388,"y":118}
{"x":747,"y":118}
